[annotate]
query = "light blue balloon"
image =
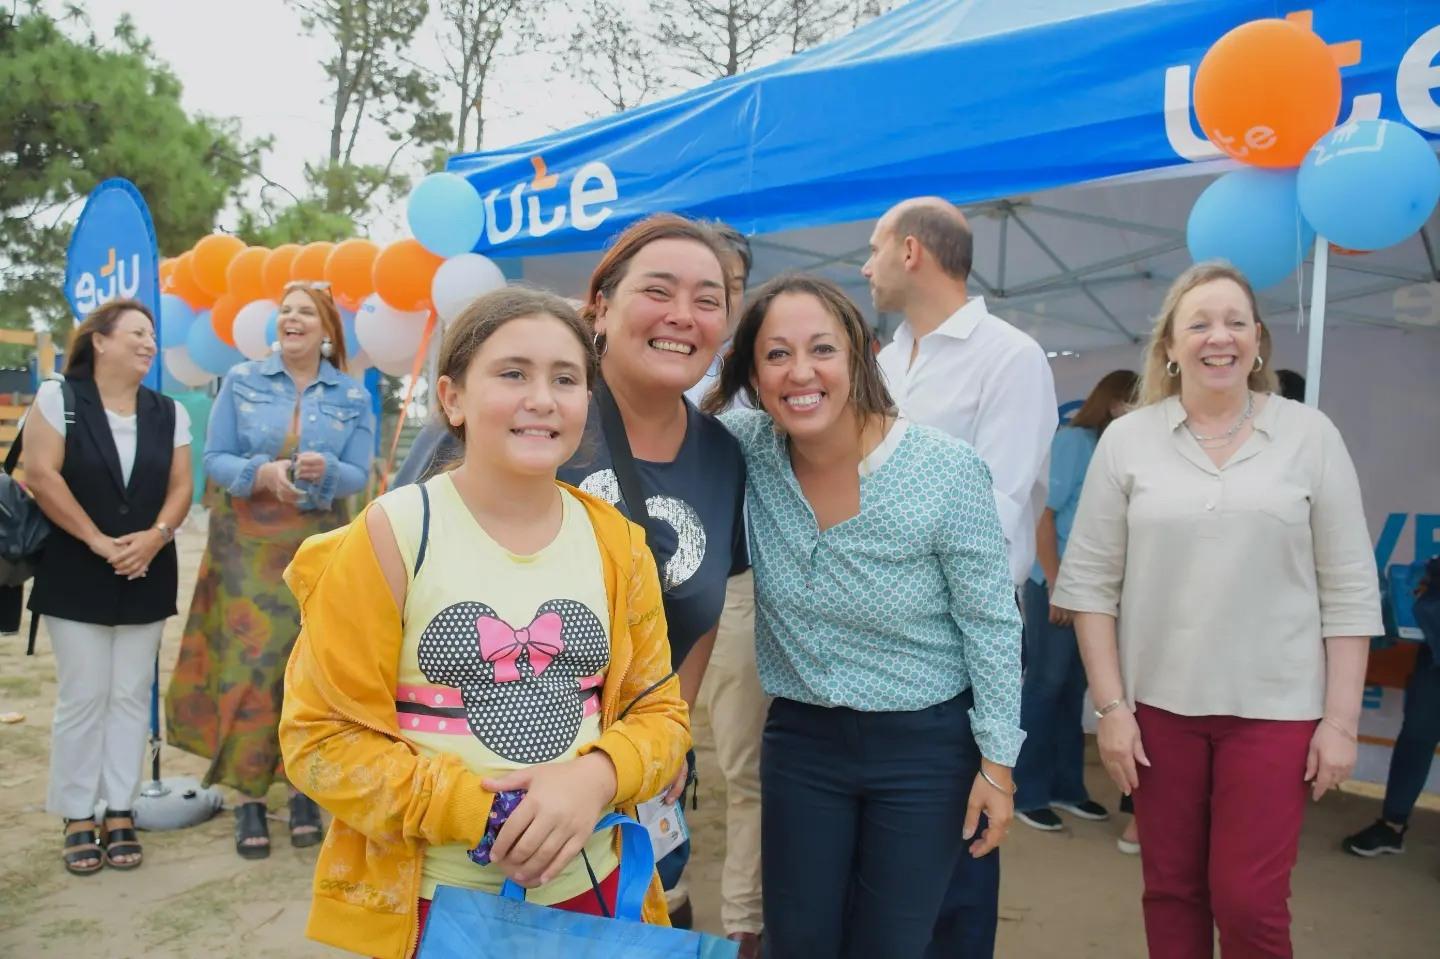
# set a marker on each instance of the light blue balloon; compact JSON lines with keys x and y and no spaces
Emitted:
{"x":1369,"y":184}
{"x":176,"y":316}
{"x":208,"y":351}
{"x":446,"y":214}
{"x":272,"y":328}
{"x":1250,"y":217}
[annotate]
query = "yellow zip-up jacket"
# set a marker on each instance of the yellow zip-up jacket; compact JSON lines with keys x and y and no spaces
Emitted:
{"x":343,"y":746}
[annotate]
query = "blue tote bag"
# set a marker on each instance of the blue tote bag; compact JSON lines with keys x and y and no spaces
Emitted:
{"x":467,"y":922}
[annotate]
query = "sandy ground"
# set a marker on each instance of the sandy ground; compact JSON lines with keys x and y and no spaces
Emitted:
{"x":1065,"y":894}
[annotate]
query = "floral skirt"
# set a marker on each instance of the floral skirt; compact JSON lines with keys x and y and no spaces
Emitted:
{"x":224,"y":698}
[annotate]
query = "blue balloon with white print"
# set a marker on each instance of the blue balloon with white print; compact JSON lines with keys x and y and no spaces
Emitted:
{"x":1369,"y":184}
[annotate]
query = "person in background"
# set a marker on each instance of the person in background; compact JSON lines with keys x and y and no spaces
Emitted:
{"x":887,"y":632}
{"x":1419,"y":736}
{"x":956,"y":366}
{"x":1224,"y":590}
{"x":557,"y":705}
{"x":1051,"y":771}
{"x":732,"y":694}
{"x":111,"y":472}
{"x":1292,"y":385}
{"x":290,"y":437}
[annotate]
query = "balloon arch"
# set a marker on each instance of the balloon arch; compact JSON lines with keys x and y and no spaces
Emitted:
{"x":220,"y":299}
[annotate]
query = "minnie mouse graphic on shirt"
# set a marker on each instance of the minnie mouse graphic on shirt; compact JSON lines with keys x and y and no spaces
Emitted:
{"x":523,"y":688}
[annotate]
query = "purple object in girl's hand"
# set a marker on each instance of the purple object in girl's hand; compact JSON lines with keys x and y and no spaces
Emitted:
{"x":500,"y":810}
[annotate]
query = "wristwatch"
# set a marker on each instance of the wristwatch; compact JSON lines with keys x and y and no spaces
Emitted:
{"x":167,"y":532}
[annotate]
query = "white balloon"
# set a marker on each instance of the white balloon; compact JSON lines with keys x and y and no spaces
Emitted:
{"x":387,"y":334}
{"x":460,"y":280}
{"x":250,"y":328}
{"x":178,"y":362}
{"x":404,"y":366}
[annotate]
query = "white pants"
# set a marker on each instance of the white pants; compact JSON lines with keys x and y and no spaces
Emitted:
{"x":737,"y":705}
{"x":102,"y":710}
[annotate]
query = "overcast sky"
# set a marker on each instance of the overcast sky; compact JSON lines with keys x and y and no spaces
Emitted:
{"x":251,"y":60}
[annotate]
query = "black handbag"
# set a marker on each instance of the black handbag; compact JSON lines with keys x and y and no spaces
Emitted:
{"x":23,"y":526}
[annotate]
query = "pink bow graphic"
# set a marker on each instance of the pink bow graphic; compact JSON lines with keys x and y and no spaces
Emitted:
{"x":500,"y":644}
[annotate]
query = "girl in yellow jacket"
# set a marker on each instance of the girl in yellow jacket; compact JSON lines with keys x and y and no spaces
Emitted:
{"x":490,"y":633}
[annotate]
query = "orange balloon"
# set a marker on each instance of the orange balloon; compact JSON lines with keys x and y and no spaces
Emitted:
{"x":403,"y":272}
{"x":1266,"y":91}
{"x":166,"y":271}
{"x":212,"y":255}
{"x":309,"y":263}
{"x":243,"y":278}
{"x":184,"y":284}
{"x":275,"y":272}
{"x":348,"y":269}
{"x":222,"y":316}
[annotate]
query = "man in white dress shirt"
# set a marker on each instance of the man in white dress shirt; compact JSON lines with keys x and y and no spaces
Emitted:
{"x":954,"y":366}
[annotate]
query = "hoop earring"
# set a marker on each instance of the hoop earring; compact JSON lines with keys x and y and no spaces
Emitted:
{"x":1172,"y":368}
{"x":1259,"y":362}
{"x":601,"y":344}
{"x":327,"y":348}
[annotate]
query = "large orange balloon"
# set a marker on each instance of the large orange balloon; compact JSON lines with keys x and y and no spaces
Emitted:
{"x":166,"y":271}
{"x":184,"y":284}
{"x":222,"y":317}
{"x":348,"y":269}
{"x":243,"y":278}
{"x":1266,"y":91}
{"x":275,"y":272}
{"x":212,"y":255}
{"x":403,"y":272}
{"x":309,"y":263}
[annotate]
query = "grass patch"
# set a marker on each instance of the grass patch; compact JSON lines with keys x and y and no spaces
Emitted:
{"x":55,"y":931}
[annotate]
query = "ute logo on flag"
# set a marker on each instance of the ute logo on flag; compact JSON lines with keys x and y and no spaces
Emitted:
{"x":112,"y":254}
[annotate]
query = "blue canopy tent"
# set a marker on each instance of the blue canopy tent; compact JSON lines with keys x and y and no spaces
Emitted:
{"x":1063,"y":126}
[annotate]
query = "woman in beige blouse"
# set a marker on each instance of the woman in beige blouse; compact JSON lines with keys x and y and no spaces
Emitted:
{"x":1221,"y":530}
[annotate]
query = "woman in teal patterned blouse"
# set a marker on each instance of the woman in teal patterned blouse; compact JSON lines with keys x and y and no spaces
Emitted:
{"x":886,"y":630}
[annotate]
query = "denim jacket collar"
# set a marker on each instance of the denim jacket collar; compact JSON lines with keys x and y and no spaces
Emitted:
{"x":273,"y":365}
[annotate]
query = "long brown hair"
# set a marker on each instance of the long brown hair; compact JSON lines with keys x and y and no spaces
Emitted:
{"x":662,"y":226}
{"x":1155,"y":383}
{"x":1096,"y":413}
{"x":487,"y":314}
{"x":329,"y":319}
{"x":80,"y":363}
{"x":867,"y":385}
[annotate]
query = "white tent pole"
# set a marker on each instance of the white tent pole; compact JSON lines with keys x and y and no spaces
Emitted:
{"x":1315,"y":357}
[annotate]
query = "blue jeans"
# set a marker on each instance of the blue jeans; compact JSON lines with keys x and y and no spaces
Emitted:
{"x":860,"y":813}
{"x":1051,"y":767}
{"x":970,"y":914}
{"x":1415,"y":746}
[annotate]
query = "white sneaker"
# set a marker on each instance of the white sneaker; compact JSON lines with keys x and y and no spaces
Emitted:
{"x":1127,"y":847}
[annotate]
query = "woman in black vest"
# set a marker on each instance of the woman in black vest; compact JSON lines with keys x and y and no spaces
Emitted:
{"x":109,"y":465}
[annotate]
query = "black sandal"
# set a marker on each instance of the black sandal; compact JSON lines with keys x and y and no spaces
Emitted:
{"x":250,"y":824}
{"x":81,"y":846}
{"x":304,"y":814}
{"x":122,"y":841}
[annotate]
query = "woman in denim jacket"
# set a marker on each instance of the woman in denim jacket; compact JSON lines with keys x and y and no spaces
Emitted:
{"x":291,"y":436}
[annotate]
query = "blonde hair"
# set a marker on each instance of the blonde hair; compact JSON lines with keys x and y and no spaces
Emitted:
{"x":1155,"y":383}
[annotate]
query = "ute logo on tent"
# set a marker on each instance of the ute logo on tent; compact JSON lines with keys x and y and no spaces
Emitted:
{"x":590,"y":191}
{"x":1416,"y":82}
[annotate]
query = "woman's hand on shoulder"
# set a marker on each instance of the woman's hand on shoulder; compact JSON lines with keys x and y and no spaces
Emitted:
{"x":563,"y":802}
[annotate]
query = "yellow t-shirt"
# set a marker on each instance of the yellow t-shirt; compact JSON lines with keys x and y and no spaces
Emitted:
{"x":503,"y":659}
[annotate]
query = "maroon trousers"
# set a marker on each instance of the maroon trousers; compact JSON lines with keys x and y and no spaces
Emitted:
{"x":1219,"y":812}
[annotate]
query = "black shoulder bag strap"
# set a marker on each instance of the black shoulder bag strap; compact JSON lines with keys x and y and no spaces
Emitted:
{"x":424,"y":530}
{"x":67,"y":400}
{"x":623,"y":462}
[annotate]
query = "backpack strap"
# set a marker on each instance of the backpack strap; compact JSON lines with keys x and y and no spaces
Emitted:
{"x":424,"y":530}
{"x":67,"y":399}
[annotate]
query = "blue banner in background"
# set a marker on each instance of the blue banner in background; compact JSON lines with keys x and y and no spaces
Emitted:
{"x":112,"y":255}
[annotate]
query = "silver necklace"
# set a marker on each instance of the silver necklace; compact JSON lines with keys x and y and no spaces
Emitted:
{"x":1222,"y":439}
